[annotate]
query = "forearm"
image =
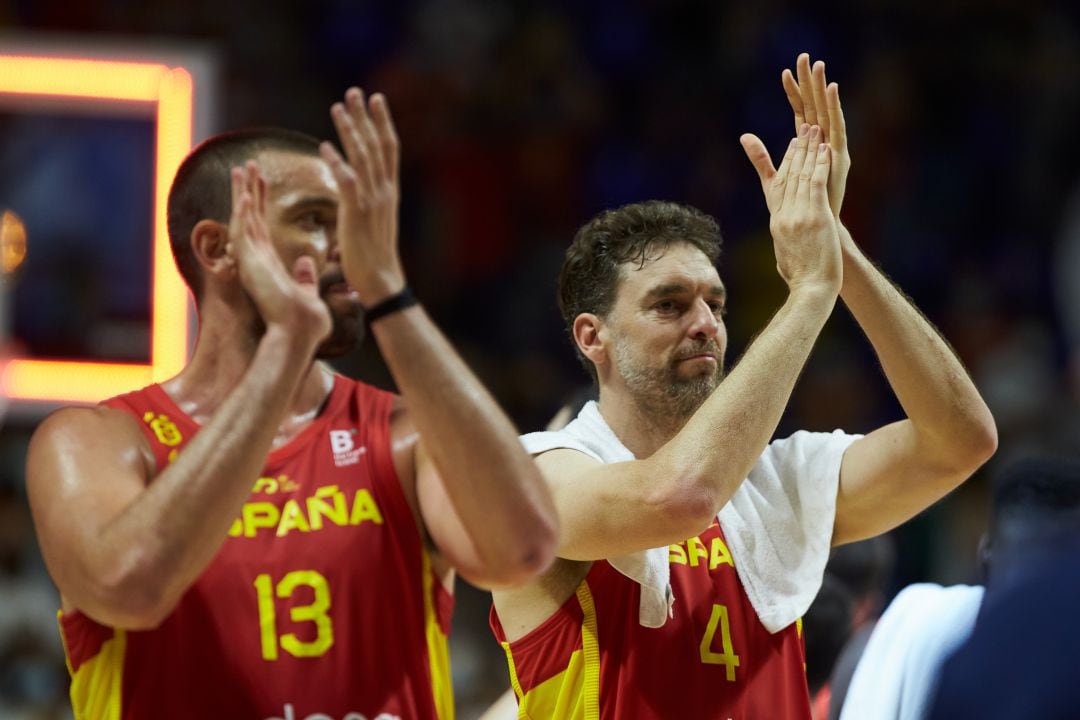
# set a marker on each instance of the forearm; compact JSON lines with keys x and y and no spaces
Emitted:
{"x":717,"y":448}
{"x":494,"y":486}
{"x":931,"y":384}
{"x":167,"y":536}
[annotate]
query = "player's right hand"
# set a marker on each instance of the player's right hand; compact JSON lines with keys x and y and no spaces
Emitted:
{"x":805,"y":236}
{"x":286,"y":298}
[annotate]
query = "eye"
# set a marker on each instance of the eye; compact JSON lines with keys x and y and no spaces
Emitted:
{"x":312,"y":220}
{"x":666,"y":306}
{"x":719,"y":309}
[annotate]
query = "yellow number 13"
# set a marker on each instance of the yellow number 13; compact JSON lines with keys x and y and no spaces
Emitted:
{"x":315,"y":612}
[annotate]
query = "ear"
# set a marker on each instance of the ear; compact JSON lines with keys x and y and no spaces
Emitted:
{"x":589,"y":336}
{"x":210,"y":246}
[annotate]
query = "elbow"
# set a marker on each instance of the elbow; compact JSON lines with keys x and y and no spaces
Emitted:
{"x":987,"y":441}
{"x":689,"y":504}
{"x":526,"y":559}
{"x":979,"y":443}
{"x":967,"y":448}
{"x":134,"y":599}
{"x":517,"y":562}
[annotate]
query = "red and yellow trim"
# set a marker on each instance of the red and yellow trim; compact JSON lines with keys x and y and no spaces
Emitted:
{"x":96,"y":664}
{"x":438,"y":647}
{"x":574,"y":692}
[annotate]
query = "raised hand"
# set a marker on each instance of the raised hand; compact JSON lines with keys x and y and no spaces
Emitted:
{"x":816,"y":102}
{"x":289,"y":298}
{"x":368,"y":180}
{"x":804,"y":230}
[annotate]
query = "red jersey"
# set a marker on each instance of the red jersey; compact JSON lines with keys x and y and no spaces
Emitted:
{"x":320,"y":604}
{"x":713,"y":659}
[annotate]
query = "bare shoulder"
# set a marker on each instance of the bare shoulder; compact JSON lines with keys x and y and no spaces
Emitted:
{"x":84,"y":465}
{"x":86,"y":436}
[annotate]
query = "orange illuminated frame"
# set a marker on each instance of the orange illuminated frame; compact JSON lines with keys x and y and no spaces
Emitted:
{"x":168,"y":93}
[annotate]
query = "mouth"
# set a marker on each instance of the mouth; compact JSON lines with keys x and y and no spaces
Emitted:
{"x":705,"y":357}
{"x":334,"y":284}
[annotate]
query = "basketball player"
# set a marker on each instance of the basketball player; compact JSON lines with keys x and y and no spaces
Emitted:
{"x":690,"y":544}
{"x":258,"y":537}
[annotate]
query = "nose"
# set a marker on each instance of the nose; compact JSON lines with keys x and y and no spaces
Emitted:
{"x":333,"y":249}
{"x":703,"y":321}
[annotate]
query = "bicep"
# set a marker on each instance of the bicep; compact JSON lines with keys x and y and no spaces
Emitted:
{"x":886,"y":478}
{"x":84,"y":466}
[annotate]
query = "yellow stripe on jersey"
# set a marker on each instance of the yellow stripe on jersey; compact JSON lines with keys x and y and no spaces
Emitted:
{"x":590,"y":645}
{"x":95,"y":686}
{"x":573,"y":693}
{"x":437,"y":647}
{"x":514,"y":682}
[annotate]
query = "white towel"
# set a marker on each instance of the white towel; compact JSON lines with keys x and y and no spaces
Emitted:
{"x":778,"y":524}
{"x":589,"y":434}
{"x":897,"y":676}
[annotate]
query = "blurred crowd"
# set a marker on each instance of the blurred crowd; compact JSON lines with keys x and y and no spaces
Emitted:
{"x":522,"y":119}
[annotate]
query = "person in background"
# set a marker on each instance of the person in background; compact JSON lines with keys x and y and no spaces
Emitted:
{"x":826,"y":629}
{"x":865,"y":568}
{"x":1035,"y":510}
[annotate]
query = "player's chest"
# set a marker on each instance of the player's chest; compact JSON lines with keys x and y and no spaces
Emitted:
{"x":711,"y":608}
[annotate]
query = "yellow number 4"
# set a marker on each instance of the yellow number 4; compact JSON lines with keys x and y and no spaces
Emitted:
{"x":315,"y":612}
{"x":728,"y":658}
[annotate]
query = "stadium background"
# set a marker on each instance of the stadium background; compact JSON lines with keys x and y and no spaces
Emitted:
{"x":519,"y":120}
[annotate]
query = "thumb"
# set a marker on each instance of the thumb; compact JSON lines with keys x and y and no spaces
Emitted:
{"x":759,"y":156}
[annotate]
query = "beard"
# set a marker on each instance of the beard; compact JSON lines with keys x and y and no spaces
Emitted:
{"x":661,"y":391}
{"x":346,"y":320}
{"x":346,"y":327}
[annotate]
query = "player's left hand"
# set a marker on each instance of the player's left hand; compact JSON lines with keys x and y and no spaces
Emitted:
{"x":816,"y":102}
{"x":368,"y":181}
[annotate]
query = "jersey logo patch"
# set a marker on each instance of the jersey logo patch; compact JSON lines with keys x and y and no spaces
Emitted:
{"x":344,"y":448}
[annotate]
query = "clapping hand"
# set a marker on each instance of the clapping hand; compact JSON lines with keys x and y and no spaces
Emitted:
{"x":368,"y":181}
{"x":289,"y":298}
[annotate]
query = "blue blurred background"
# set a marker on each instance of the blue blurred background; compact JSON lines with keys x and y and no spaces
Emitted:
{"x":519,"y":121}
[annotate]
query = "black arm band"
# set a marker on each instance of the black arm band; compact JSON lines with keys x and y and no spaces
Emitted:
{"x":400,"y":300}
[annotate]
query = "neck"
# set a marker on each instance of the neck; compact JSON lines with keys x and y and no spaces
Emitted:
{"x":640,"y":426}
{"x":224,"y":351}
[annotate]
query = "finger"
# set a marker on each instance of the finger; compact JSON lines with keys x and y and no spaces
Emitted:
{"x":802,"y":67}
{"x":388,"y":138}
{"x":819,"y":179}
{"x":344,"y":173}
{"x":795,"y":168}
{"x":818,"y":89}
{"x":837,"y":126}
{"x":236,"y":175}
{"x":807,"y":169}
{"x":794,"y":96}
{"x":350,"y":142}
{"x":357,"y":106}
{"x":240,"y":200}
{"x":759,"y":157}
{"x":258,"y":203}
{"x":256,"y":186}
{"x":775,"y":190}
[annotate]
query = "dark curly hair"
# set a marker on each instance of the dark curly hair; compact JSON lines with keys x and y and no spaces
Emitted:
{"x":636,"y":233}
{"x":202,"y":189}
